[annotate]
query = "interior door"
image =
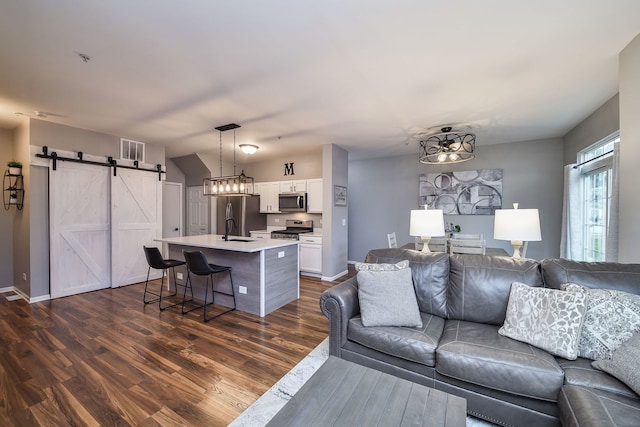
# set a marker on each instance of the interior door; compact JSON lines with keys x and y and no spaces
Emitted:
{"x":197,"y":211}
{"x":171,"y":209}
{"x":79,"y":229}
{"x":136,"y":220}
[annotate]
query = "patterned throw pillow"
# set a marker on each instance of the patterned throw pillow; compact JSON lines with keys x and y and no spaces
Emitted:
{"x":612,"y":317}
{"x":546,"y":318}
{"x":387,"y":296}
{"x":624,"y":363}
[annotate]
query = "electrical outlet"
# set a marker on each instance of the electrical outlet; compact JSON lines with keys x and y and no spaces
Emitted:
{"x":276,"y":220}
{"x":281,"y":254}
{"x":179,"y":276}
{"x":242,"y":289}
{"x":24,"y":276}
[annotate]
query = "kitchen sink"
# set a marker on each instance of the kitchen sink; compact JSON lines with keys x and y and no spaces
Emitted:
{"x":239,"y":240}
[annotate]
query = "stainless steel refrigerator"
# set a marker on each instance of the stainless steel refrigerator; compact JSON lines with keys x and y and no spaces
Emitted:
{"x":245,"y":215}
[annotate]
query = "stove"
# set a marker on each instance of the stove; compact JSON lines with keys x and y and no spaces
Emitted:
{"x":295,"y":227}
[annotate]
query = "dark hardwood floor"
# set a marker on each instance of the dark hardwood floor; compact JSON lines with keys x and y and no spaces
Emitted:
{"x":105,"y":359}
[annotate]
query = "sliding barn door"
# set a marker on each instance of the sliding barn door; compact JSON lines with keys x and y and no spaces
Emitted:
{"x":136,"y":220}
{"x":79,"y":229}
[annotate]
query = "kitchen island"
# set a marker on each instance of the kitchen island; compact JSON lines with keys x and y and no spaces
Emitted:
{"x":265,"y":271}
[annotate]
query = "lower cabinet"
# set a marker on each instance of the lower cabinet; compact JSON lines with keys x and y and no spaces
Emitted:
{"x":311,"y":255}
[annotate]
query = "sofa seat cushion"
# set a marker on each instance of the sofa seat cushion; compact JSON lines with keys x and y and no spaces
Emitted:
{"x":587,"y":407}
{"x":476,"y":353}
{"x":579,"y":372}
{"x":413,"y":344}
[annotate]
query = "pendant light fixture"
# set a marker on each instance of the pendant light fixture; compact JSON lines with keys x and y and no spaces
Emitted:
{"x":446,"y":146}
{"x":232,"y":185}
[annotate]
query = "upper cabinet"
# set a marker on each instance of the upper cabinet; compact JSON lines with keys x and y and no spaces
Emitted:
{"x":299,"y":186}
{"x":268,"y":192}
{"x":314,"y":195}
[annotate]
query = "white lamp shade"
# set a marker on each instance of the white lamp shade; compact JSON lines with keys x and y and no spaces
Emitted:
{"x":517,"y":224}
{"x":426,"y":222}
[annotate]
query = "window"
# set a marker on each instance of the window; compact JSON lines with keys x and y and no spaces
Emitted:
{"x":131,"y":150}
{"x":597,"y":179}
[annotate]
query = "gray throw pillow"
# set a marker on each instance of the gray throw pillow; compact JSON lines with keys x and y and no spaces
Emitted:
{"x":549,"y":319}
{"x":624,"y":363}
{"x":612,"y":317}
{"x":387,"y":296}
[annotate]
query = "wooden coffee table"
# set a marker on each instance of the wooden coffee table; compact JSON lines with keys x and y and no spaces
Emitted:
{"x":342,"y":393}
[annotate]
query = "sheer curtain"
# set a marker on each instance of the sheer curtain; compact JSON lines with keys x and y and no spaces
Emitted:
{"x":612,"y":229}
{"x":571,"y":239}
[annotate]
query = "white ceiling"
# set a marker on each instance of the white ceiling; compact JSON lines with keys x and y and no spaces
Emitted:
{"x":363,"y":74}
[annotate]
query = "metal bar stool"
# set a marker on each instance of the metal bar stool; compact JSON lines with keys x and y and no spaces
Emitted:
{"x":155,"y":260}
{"x":198,"y":265}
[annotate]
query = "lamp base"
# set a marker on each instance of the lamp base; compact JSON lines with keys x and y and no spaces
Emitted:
{"x":425,"y":243}
{"x":517,"y":246}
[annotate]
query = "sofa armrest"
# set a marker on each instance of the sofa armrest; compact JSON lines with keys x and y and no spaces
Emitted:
{"x":340,"y":303}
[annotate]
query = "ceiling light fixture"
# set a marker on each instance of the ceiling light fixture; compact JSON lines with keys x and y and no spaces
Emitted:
{"x":248,"y":148}
{"x":447,"y":146}
{"x":232,"y":185}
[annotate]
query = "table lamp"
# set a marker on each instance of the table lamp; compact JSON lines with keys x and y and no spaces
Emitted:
{"x":426,"y":223}
{"x":518,"y":226}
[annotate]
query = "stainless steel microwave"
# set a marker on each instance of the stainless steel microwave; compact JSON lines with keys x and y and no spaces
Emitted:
{"x":292,"y":202}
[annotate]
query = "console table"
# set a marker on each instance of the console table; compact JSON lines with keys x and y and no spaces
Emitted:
{"x":488,"y":251}
{"x":342,"y":393}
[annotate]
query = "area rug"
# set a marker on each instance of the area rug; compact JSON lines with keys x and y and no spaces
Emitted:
{"x":263,"y":409}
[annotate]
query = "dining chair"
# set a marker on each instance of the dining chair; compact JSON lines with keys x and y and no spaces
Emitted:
{"x":467,"y":246}
{"x":155,"y":261}
{"x":437,"y":244}
{"x":197,"y":264}
{"x":391,"y":239}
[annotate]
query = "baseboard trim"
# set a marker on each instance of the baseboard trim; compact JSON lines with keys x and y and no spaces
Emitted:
{"x":336,"y":277}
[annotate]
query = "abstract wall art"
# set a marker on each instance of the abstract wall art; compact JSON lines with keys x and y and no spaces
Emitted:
{"x":476,"y":192}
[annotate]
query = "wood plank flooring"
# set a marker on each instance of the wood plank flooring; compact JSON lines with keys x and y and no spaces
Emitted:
{"x":104,"y":358}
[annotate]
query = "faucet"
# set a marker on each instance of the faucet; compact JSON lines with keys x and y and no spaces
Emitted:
{"x":228,"y":222}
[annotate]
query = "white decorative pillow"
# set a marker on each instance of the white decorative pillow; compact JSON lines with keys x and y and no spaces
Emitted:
{"x":612,"y":317}
{"x":387,"y":296}
{"x":546,"y":318}
{"x":624,"y":363}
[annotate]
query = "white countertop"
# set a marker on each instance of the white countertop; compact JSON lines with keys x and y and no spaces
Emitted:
{"x":215,"y":241}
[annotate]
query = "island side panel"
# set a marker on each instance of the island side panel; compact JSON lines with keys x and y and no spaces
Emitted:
{"x":282,"y":279}
{"x":245,"y":271}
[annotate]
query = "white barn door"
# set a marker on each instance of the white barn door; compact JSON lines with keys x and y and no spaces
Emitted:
{"x":79,"y":229}
{"x":136,"y":220}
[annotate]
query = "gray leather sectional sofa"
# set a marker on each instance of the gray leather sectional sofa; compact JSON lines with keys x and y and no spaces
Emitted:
{"x":462,"y":300}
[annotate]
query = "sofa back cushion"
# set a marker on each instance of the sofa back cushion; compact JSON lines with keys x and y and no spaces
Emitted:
{"x":599,"y":275}
{"x":430,"y":273}
{"x":479,"y":286}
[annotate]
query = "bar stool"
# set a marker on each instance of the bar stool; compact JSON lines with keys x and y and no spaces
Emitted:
{"x":198,"y":265}
{"x":155,"y":261}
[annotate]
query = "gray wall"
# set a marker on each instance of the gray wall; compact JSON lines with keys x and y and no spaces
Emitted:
{"x":600,"y":124}
{"x":336,"y":224}
{"x":305,"y":165}
{"x":383,"y":191}
{"x":6,"y":216}
{"x":629,"y":225}
{"x":68,"y":138}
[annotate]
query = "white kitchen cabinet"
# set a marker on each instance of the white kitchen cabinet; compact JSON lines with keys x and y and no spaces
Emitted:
{"x":311,"y":254}
{"x":314,"y":195}
{"x":293,"y":186}
{"x":268,"y":192}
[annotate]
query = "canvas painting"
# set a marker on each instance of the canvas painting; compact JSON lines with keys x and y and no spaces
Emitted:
{"x":475,"y":192}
